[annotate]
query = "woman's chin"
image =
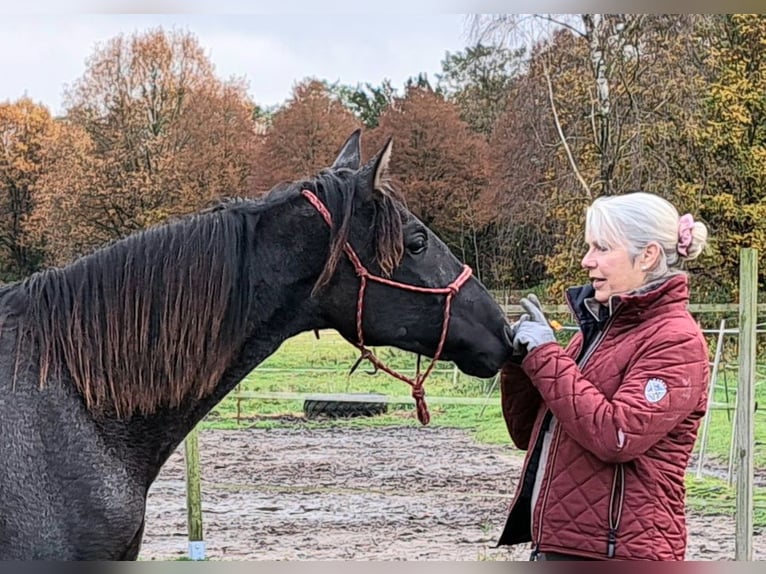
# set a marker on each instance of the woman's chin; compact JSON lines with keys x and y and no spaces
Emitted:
{"x":602,"y":298}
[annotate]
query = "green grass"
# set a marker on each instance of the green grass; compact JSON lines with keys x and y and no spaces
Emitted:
{"x":306,"y":365}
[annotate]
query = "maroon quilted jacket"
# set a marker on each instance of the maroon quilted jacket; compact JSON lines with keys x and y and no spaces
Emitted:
{"x":623,"y":426}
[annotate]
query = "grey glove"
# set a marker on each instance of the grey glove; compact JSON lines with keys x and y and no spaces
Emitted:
{"x":518,"y":350}
{"x":534,"y":331}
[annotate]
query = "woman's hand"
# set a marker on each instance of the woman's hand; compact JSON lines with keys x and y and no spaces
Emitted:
{"x":532,"y":329}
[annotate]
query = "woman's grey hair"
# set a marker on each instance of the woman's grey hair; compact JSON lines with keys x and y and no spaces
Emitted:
{"x":635,"y":220}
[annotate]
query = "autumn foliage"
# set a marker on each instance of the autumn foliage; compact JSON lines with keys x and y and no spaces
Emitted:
{"x":305,"y":136}
{"x":25,"y":131}
{"x":151,"y":133}
{"x":440,"y":166}
{"x":500,"y":157}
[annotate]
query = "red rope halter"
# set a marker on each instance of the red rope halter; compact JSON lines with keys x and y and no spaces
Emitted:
{"x":450,"y":291}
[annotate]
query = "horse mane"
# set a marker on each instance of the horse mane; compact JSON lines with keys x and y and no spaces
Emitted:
{"x":149,"y":319}
{"x":157,"y":317}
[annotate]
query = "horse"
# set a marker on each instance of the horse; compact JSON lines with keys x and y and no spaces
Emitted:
{"x":107,"y":363}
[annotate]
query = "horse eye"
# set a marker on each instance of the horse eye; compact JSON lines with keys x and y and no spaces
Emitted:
{"x":417,"y":244}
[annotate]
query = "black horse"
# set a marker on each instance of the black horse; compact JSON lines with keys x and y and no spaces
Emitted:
{"x":106,"y":364}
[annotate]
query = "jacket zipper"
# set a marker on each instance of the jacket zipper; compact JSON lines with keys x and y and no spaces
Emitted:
{"x":541,"y":504}
{"x":554,"y":446}
{"x":535,"y":553}
{"x":536,"y":435}
{"x":615,"y":510}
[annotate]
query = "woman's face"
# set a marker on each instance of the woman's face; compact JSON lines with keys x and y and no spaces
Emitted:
{"x":611,"y":270}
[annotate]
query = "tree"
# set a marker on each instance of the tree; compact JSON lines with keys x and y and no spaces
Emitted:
{"x":422,"y":82}
{"x":24,"y":129}
{"x":605,"y":89}
{"x":305,"y":136}
{"x":366,"y":102}
{"x":729,"y":134}
{"x":441,"y":167}
{"x":72,"y":213}
{"x":523,"y":157}
{"x":168,"y":136}
{"x":479,"y":80}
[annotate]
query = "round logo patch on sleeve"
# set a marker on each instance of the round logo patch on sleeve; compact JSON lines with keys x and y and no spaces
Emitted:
{"x":655,"y":390}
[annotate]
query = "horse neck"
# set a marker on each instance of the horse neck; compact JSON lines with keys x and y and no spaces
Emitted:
{"x":281,"y":308}
{"x":150,"y":439}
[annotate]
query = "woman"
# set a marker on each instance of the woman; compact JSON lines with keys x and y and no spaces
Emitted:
{"x":609,"y":423}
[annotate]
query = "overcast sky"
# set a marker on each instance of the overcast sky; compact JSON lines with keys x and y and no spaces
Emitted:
{"x":42,"y":53}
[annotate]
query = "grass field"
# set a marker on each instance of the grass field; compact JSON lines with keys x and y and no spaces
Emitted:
{"x":307,"y":365}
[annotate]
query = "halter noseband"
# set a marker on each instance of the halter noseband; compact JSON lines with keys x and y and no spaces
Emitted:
{"x":364,"y":275}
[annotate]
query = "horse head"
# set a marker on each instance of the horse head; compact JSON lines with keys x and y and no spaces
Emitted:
{"x":420,"y":275}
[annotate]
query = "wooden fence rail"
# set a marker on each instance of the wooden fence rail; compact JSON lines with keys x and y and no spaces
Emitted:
{"x":694,"y":309}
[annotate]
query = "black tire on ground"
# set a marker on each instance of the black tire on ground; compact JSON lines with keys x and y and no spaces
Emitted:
{"x":337,"y":409}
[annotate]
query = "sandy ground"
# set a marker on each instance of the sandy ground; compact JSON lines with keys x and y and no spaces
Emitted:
{"x":392,"y":493}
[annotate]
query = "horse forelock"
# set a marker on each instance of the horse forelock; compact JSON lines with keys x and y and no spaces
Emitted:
{"x":389,"y":226}
{"x":149,"y":320}
{"x":338,"y":195}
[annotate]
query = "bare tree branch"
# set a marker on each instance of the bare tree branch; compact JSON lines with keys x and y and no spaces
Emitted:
{"x":560,"y":131}
{"x":562,"y":23}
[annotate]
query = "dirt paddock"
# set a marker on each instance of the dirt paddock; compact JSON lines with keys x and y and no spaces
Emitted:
{"x":393,"y":493}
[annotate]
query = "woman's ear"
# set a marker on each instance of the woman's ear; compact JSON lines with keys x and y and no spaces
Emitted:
{"x":650,"y":256}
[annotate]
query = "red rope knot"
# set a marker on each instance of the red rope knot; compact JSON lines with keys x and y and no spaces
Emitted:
{"x":455,"y":286}
{"x":360,"y":270}
{"x":418,"y":393}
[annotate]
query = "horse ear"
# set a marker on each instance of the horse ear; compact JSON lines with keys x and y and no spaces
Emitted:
{"x":377,"y":168}
{"x":350,"y":155}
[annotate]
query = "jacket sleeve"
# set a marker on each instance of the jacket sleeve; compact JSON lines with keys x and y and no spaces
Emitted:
{"x":665,"y":382}
{"x":520,"y":402}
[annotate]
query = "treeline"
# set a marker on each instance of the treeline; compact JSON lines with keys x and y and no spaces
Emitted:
{"x":499,"y":154}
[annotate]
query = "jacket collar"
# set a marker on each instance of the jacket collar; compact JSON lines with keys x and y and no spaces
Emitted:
{"x":669,"y":290}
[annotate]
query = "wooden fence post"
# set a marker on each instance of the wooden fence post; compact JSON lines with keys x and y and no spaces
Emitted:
{"x":194,"y":496}
{"x":748,"y":292}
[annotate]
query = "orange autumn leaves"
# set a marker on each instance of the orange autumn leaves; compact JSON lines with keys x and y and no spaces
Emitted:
{"x":149,"y":132}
